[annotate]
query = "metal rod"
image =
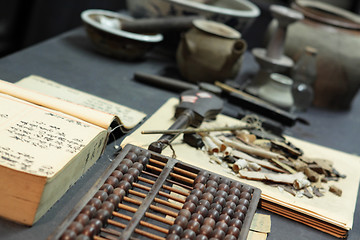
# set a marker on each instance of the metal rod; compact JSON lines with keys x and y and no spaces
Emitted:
{"x":165,"y":187}
{"x":176,"y":169}
{"x":196,"y":130}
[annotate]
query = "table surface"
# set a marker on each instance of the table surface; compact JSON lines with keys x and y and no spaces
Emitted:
{"x":71,"y":60}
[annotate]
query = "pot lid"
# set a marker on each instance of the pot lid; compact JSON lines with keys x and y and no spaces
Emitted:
{"x":216,"y":28}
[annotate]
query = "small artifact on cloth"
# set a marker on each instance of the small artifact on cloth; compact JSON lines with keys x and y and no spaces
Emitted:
{"x":239,"y":164}
{"x":301,"y":183}
{"x":261,"y":223}
{"x":337,"y":191}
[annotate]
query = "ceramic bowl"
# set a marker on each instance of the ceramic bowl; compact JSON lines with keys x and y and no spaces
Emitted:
{"x":238,"y":14}
{"x":104,"y":29}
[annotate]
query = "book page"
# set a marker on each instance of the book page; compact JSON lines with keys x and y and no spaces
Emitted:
{"x":40,"y":141}
{"x":129,"y":118}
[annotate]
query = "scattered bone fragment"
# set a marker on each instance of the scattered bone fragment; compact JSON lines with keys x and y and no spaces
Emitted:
{"x":316,"y":192}
{"x":218,"y":142}
{"x":239,"y":165}
{"x":210,"y":145}
{"x":312,"y":175}
{"x":301,"y":183}
{"x":254,"y":166}
{"x":337,"y":191}
{"x":307,"y":193}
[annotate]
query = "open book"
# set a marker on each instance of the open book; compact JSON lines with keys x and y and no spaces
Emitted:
{"x":50,"y":135}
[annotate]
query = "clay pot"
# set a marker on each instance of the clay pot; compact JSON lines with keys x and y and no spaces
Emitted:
{"x":335,"y":33}
{"x":209,"y":52}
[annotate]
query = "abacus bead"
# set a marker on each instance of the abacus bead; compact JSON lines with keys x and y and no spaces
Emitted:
{"x":225,"y":181}
{"x":185,"y":212}
{"x":82,"y":218}
{"x":134,"y":172}
{"x":108,"y":188}
{"x":224,"y":218}
{"x":211,"y":190}
{"x":119,"y":192}
{"x":202,"y":210}
{"x":221,"y":225}
{"x":236,"y":185}
{"x":89,"y":210}
{"x":108,"y":206}
{"x":241,"y":208}
{"x":221,"y":193}
{"x":204,"y":203}
{"x":95,"y":202}
{"x":236,"y":223}
{"x":201,"y":237}
{"x":200,"y":186}
{"x":235,"y":191}
{"x":128,"y":162}
{"x":220,"y":200}
{"x":230,"y":237}
{"x":131,"y":156}
{"x":101,"y":195}
{"x":206,"y":230}
{"x":125,"y":185}
{"x":216,"y":206}
{"x":146,"y":154}
{"x":97,"y":224}
{"x":239,"y":215}
{"x":172,"y":236}
{"x":204,"y":173}
{"x":68,"y":235}
{"x":231,"y":205}
{"x":89,"y":231}
{"x":182,"y":221}
{"x":128,"y":177}
{"x":214,"y":177}
{"x":189,"y":206}
{"x":123,"y":168}
{"x":213,"y":214}
{"x":114,"y":199}
{"x":246,"y":189}
{"x":143,"y":160}
{"x":228,"y":211}
{"x":83,"y":237}
{"x":189,"y":234}
{"x":136,"y":150}
{"x":196,"y":192}
{"x":176,"y":229}
{"x":212,"y":183}
{"x":218,"y":234}
{"x":197,"y":217}
{"x":118,"y":174}
{"x":233,"y":231}
{"x":138,"y":166}
{"x":103,"y":215}
{"x":200,"y":179}
{"x":244,"y":202}
{"x":209,"y":221}
{"x":245,"y":195}
{"x":193,"y":225}
{"x":192,"y":198}
{"x":224,"y":187}
{"x":112,"y":180}
{"x":233,"y":198}
{"x":76,"y":227}
{"x":208,"y":196}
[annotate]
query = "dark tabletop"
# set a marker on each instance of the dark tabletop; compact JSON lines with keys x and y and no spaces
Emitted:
{"x":70,"y":59}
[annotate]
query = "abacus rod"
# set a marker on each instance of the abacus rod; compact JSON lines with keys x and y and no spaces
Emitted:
{"x":156,"y":208}
{"x":158,"y":200}
{"x":168,"y":180}
{"x":165,"y":186}
{"x":177,"y":169}
{"x":160,"y":193}
{"x":177,"y":176}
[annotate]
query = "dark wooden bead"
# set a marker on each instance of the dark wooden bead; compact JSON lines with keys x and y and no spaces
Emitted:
{"x":102,"y":195}
{"x":222,"y":225}
{"x":128,"y":177}
{"x":225,"y":180}
{"x":186,"y":213}
{"x":89,"y":231}
{"x":197,"y":192}
{"x":89,"y":210}
{"x":246,"y":189}
{"x":182,"y":221}
{"x":209,"y":221}
{"x":239,"y":215}
{"x":189,"y":234}
{"x":236,"y":185}
{"x":204,"y":173}
{"x":200,"y":186}
{"x":208,"y":196}
{"x":118,"y":174}
{"x":144,"y":160}
{"x":136,"y":150}
{"x":228,"y":211}
{"x":68,"y":235}
{"x":176,"y":229}
{"x":236,"y":223}
{"x":146,"y":154}
{"x":128,"y":162}
{"x":83,"y":237}
{"x":82,"y":218}
{"x":192,"y":198}
{"x":114,"y":199}
{"x":119,"y":192}
{"x":122,"y":168}
{"x":103,"y":215}
{"x":245,"y":195}
{"x":201,"y":237}
{"x":95,"y":202}
{"x":204,"y":203}
{"x":76,"y":227}
{"x":234,"y":231}
{"x":108,"y":206}
{"x":233,"y":198}
{"x":221,"y":193}
{"x":223,"y":186}
{"x":193,"y":225}
{"x":241,"y":208}
{"x":231,"y":205}
{"x":218,"y":234}
{"x":197,"y":217}
{"x":230,"y":237}
{"x":213,"y":214}
{"x":211,"y":190}
{"x":224,"y":218}
{"x":244,"y":202}
{"x":214,"y":177}
{"x":206,"y":230}
{"x":113,"y":181}
{"x":189,"y":206}
{"x":202,"y":210}
{"x":124,"y":185}
{"x":131,"y":156}
{"x":235,"y":191}
{"x":172,"y":236}
{"x":216,"y":206}
{"x":134,"y":172}
{"x":97,"y":224}
{"x":107,"y":187}
{"x":220,"y":200}
{"x":138,"y":166}
{"x":212,"y":183}
{"x":200,"y":179}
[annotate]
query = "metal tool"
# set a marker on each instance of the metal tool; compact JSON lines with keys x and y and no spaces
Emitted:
{"x":195,"y":106}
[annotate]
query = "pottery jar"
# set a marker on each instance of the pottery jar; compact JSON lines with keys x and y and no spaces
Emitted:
{"x":335,"y":33}
{"x":209,"y":52}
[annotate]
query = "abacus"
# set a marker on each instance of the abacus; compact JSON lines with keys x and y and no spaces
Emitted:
{"x":145,"y":195}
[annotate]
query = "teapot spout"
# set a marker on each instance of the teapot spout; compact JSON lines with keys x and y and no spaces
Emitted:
{"x":232,"y":64}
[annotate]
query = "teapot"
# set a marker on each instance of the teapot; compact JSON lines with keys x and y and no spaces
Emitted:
{"x":209,"y":52}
